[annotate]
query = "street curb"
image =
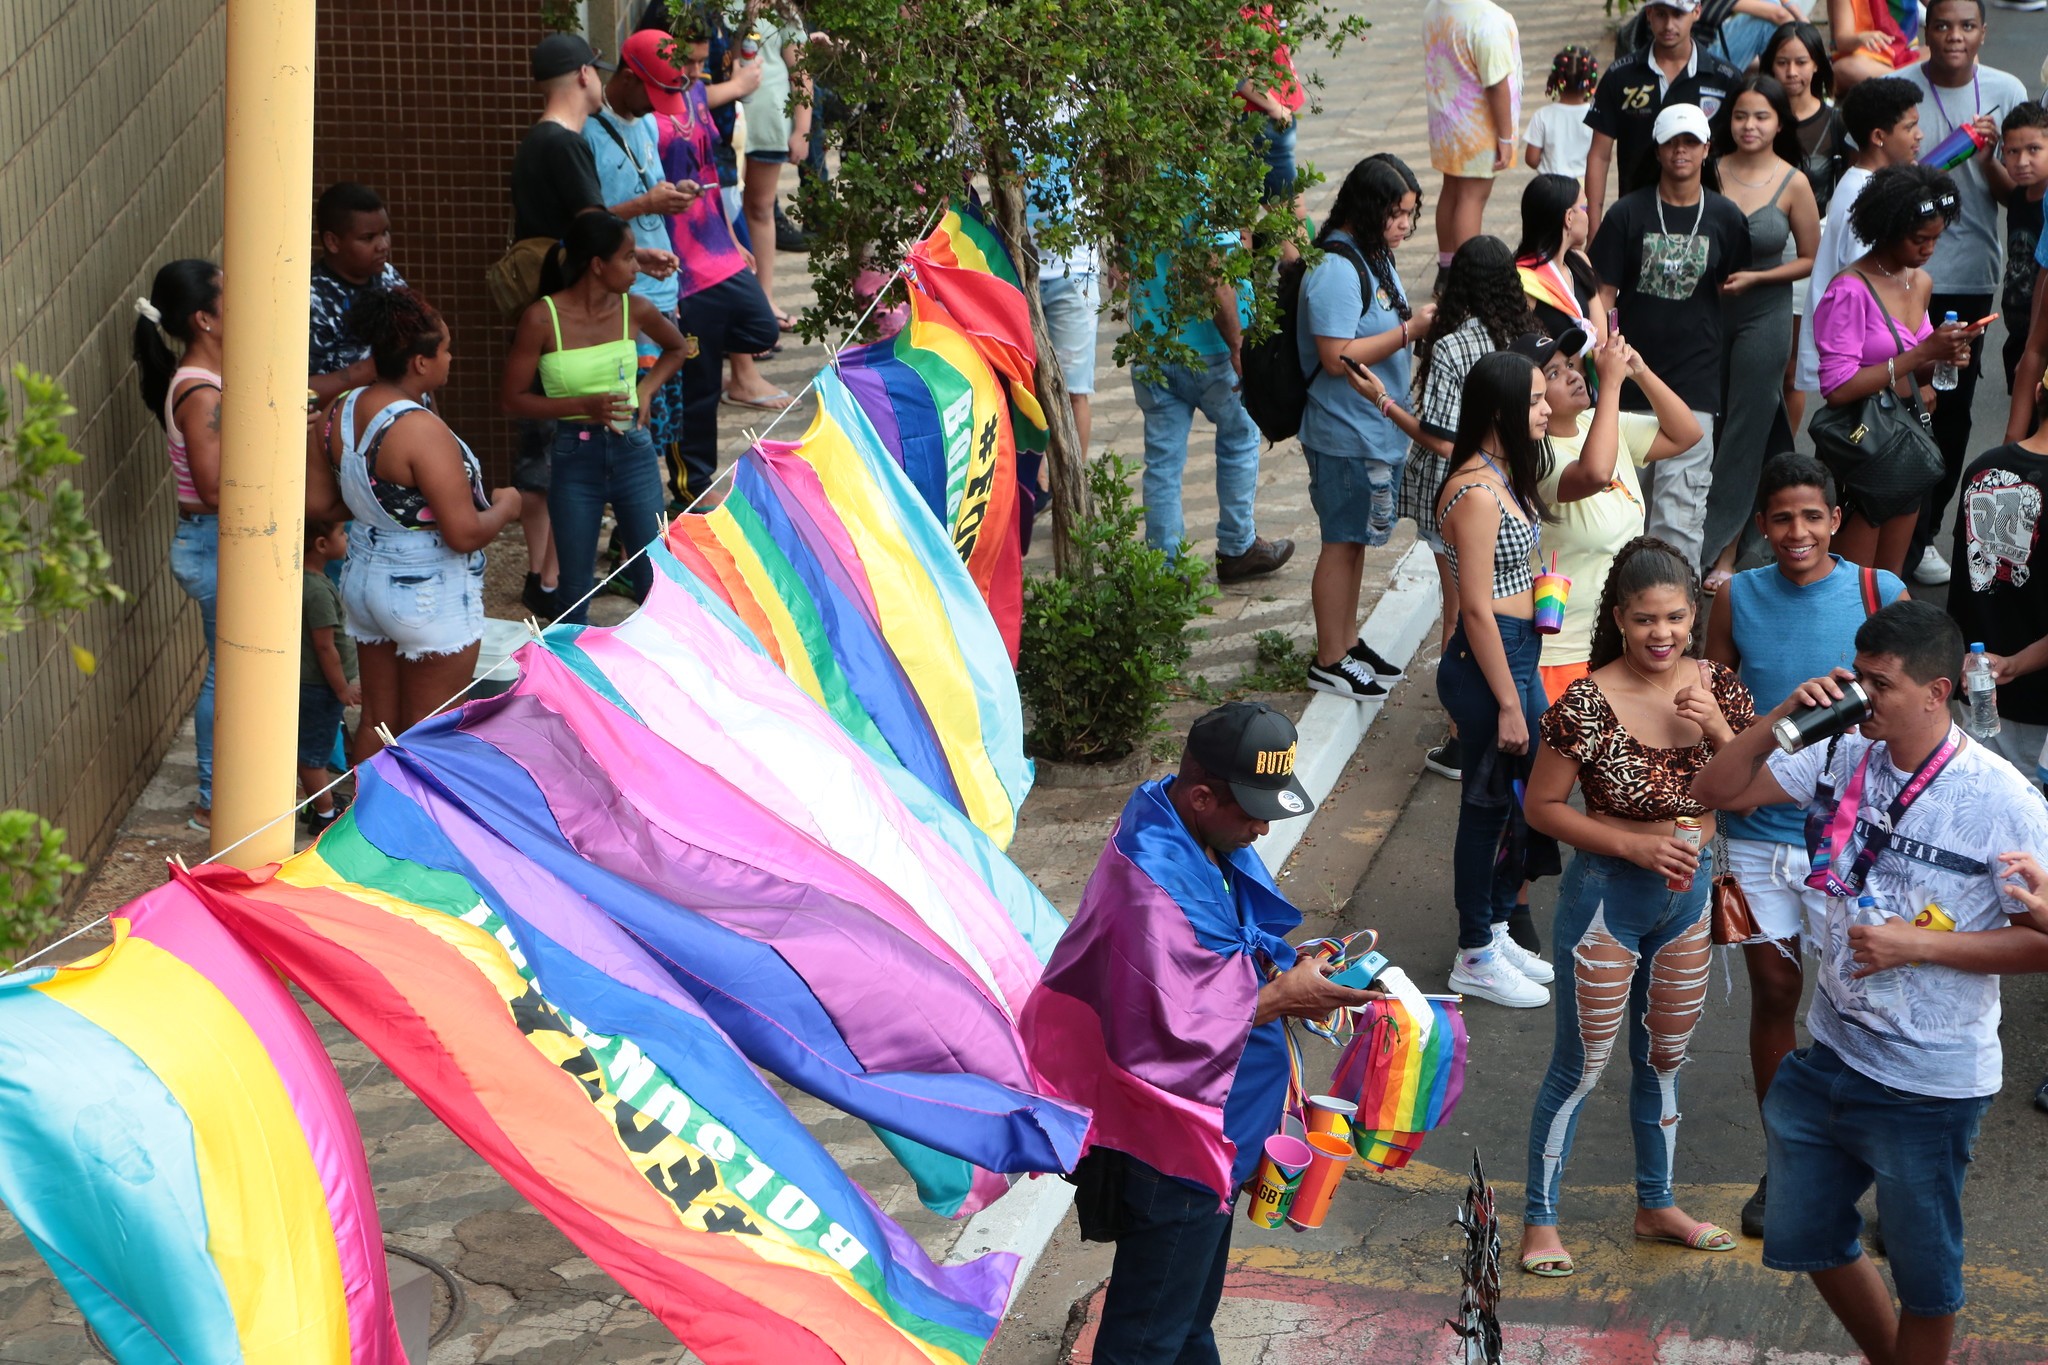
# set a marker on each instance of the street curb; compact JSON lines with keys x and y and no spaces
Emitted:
{"x":1330,"y":732}
{"x":1332,"y":727}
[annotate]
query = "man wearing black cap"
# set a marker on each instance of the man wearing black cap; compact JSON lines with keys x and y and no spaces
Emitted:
{"x":554,"y":178}
{"x":1162,"y":1010}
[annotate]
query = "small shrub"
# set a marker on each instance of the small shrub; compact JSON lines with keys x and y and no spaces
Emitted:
{"x":1278,"y":665}
{"x":1103,"y":643}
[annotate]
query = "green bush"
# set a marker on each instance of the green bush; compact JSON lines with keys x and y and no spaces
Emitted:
{"x":1104,"y":642}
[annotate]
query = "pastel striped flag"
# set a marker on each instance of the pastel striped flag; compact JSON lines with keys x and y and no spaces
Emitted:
{"x":177,"y":1146}
{"x":561,"y":1048}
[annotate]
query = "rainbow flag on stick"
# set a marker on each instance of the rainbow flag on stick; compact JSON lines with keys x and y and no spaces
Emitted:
{"x":1404,"y":1085}
{"x":199,"y":1188}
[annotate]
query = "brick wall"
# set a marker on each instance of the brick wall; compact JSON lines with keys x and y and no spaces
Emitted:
{"x":110,"y":164}
{"x":426,"y":102}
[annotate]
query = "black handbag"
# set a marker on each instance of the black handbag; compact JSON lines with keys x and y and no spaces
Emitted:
{"x":1881,"y":450}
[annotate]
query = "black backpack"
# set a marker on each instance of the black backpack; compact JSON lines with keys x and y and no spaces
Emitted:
{"x":1275,"y":386}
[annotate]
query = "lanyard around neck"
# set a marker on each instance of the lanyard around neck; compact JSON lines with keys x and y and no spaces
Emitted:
{"x":1828,"y":835}
{"x":1976,"y":97}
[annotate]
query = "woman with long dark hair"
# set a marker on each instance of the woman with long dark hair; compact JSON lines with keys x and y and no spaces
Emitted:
{"x":1797,"y":57}
{"x":579,"y":338}
{"x":1757,"y":148}
{"x":1631,"y":735}
{"x":1355,"y":312}
{"x":1556,"y":274}
{"x":1489,"y":512}
{"x":181,"y":389}
{"x":412,"y":587}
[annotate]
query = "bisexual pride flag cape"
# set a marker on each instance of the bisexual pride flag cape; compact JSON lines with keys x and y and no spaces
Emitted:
{"x":1145,"y":1009}
{"x":177,"y":1146}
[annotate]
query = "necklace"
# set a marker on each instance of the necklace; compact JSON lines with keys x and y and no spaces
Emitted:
{"x":1653,"y":685}
{"x":1879,"y":267}
{"x":1976,"y":97}
{"x":1674,"y":266}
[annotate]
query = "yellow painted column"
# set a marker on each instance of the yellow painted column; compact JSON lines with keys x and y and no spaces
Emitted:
{"x":263,"y":424}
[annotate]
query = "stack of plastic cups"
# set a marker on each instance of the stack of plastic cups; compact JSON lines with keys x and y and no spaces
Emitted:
{"x":1329,"y":1138}
{"x":1277,"y":1179}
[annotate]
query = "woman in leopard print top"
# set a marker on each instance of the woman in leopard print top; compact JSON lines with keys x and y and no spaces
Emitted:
{"x":1630,"y":735}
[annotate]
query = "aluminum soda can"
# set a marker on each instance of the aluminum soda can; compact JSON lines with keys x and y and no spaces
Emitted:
{"x":1685,"y":828}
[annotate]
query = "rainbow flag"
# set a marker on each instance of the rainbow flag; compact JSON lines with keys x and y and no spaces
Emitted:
{"x":1404,"y":1085}
{"x":562,"y":1048}
{"x":200,"y":1189}
{"x":964,"y":265}
{"x":824,"y":555}
{"x":948,"y":427}
{"x":686,"y":669}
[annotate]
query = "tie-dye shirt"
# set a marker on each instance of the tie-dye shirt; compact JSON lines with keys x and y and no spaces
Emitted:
{"x":701,"y":234}
{"x":1467,"y":46}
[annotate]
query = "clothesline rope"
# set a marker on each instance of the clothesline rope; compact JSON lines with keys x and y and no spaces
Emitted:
{"x":291,"y":812}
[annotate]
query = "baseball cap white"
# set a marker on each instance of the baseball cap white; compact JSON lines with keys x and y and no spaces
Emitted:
{"x":1674,"y":119}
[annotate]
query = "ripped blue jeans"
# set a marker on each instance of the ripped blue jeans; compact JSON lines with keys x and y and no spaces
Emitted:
{"x":1354,"y":497}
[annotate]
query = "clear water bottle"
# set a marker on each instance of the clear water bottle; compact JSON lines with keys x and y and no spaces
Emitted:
{"x":1945,"y":375}
{"x":1882,"y":991}
{"x":1980,"y":695}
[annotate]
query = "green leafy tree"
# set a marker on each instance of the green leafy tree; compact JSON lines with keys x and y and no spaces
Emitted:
{"x":1135,"y":96}
{"x":52,"y":566}
{"x":1105,"y":641}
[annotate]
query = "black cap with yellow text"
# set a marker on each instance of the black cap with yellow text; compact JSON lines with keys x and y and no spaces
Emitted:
{"x":1251,"y":746}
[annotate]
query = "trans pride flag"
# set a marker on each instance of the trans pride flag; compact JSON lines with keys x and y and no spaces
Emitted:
{"x":174,"y":1141}
{"x":824,"y":555}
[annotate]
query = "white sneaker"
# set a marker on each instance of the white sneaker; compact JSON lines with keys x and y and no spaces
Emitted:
{"x":2024,"y":6}
{"x":1520,"y":958}
{"x":1932,"y":568}
{"x":1487,"y":974}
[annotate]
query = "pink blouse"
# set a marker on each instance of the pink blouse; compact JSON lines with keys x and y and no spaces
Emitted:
{"x":1851,"y":330}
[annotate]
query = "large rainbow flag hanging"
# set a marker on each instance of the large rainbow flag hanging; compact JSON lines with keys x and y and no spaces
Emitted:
{"x":200,"y":1189}
{"x":964,"y":265}
{"x":942,"y":414}
{"x":562,"y":1049}
{"x":1404,"y":1084}
{"x":823,"y":553}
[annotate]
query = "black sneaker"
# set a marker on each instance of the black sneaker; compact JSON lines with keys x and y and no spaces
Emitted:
{"x":546,"y":603}
{"x":1262,"y":557}
{"x":1522,"y":929}
{"x":317,"y":822}
{"x":1382,"y":668}
{"x":2041,"y":1097}
{"x":1753,"y":1211}
{"x":1446,"y":760}
{"x":788,"y":236}
{"x":1346,"y":678}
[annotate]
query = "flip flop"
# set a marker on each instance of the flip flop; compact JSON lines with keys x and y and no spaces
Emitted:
{"x":774,"y":402}
{"x":785,"y":322}
{"x":1702,"y":1237}
{"x":1548,"y":1265}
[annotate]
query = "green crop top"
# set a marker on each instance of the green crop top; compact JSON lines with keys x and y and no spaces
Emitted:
{"x":609,"y":367}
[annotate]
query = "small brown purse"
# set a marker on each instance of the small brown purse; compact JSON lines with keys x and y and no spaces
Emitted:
{"x":1733,"y":921}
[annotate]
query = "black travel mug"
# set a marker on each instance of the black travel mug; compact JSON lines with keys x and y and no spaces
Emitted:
{"x":1812,"y":723}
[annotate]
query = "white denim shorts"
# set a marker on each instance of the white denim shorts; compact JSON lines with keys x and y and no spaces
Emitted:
{"x":1073,"y":311}
{"x":407,"y":588}
{"x":1773,"y":878}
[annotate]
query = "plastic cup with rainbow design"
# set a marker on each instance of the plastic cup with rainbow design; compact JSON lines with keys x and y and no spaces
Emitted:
{"x":1278,"y":1177}
{"x":1551,"y":591}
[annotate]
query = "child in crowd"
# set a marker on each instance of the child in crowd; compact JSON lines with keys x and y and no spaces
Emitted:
{"x":1558,"y":137}
{"x":355,"y":255}
{"x":2023,"y":148}
{"x":327,"y":671}
{"x":1778,"y":625}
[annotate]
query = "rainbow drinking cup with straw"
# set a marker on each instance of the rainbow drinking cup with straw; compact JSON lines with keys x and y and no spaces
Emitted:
{"x":1278,"y":1177}
{"x":1320,"y":1181}
{"x":1552,"y":589}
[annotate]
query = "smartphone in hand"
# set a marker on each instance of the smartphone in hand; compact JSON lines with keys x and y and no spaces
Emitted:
{"x":1355,"y":367}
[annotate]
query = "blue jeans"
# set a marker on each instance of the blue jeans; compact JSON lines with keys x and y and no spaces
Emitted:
{"x":1834,"y":1132}
{"x":195,"y":564}
{"x":1743,"y":39}
{"x":730,"y":316}
{"x":1483,"y":888}
{"x":594,"y":465}
{"x":1168,"y":1275}
{"x":1276,"y":147}
{"x":1170,"y":405}
{"x":1611,"y":913}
